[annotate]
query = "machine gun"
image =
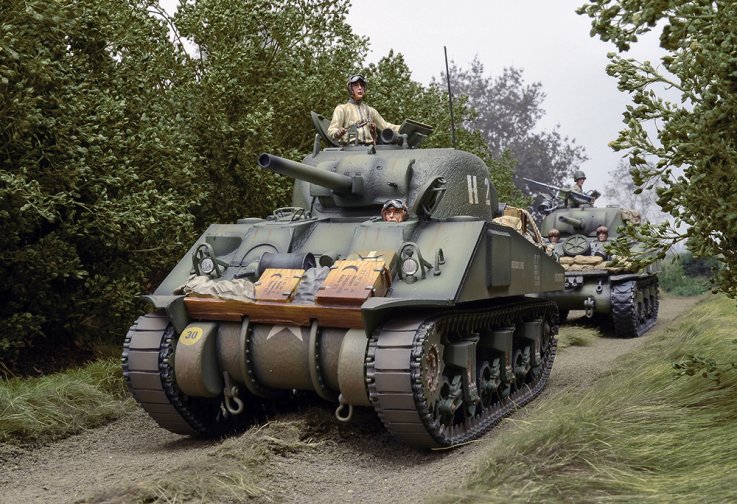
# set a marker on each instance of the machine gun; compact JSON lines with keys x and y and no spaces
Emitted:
{"x":560,"y":197}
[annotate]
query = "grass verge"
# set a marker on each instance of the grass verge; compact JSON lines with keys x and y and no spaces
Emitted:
{"x":572,"y":335}
{"x":232,"y":471}
{"x":62,"y":404}
{"x":641,"y":434}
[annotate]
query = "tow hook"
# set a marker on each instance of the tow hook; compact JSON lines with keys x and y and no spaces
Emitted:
{"x":589,"y":306}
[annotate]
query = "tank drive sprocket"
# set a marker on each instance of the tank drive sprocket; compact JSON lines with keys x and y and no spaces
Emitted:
{"x":420,"y":399}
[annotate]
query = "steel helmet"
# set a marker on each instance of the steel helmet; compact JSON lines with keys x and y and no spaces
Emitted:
{"x":356,"y":78}
{"x":579,"y":175}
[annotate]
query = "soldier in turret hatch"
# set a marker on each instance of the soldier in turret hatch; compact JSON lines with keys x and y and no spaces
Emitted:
{"x":579,"y":178}
{"x":394,"y":210}
{"x":354,"y":121}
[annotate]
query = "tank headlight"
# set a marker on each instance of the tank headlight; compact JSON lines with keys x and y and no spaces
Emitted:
{"x":207,"y":265}
{"x":410,"y":266}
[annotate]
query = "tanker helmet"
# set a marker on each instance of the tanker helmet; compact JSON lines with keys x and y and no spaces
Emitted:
{"x":602,"y":229}
{"x":579,"y":175}
{"x":356,"y":78}
{"x":395,"y":203}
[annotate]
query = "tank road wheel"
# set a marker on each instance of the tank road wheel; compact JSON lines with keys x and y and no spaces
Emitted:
{"x":521,"y":365}
{"x":148,"y":358}
{"x":450,"y":400}
{"x":576,"y":245}
{"x":488,"y":380}
{"x":426,"y":401}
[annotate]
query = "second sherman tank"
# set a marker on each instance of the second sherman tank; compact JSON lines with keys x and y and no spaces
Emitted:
{"x":595,"y":281}
{"x":425,"y":319}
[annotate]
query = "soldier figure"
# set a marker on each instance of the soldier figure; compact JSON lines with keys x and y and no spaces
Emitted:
{"x":554,"y":235}
{"x":579,"y":178}
{"x":354,"y":121}
{"x":597,"y":248}
{"x":394,"y":211}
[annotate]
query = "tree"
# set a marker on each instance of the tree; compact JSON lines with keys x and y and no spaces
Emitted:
{"x":693,"y":141}
{"x":95,"y":177}
{"x":622,"y":190}
{"x":506,"y":114}
{"x":263,"y":65}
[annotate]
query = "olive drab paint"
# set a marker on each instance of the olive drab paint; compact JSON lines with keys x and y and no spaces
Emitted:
{"x":345,"y":305}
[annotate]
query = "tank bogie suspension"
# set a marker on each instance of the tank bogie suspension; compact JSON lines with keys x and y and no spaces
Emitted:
{"x":435,"y":381}
{"x":446,"y":380}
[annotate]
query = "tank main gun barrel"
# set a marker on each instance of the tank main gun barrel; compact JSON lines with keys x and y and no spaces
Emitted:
{"x":334,"y":181}
{"x":576,"y":223}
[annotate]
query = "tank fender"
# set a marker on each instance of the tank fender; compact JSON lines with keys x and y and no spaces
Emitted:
{"x":195,"y":361}
{"x":626,"y":277}
{"x":174,"y":307}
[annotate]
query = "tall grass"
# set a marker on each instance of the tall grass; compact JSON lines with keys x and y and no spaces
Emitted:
{"x":639,"y":435}
{"x":58,"y":405}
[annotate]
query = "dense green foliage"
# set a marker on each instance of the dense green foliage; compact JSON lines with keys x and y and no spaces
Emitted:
{"x":693,"y":139}
{"x":119,"y":146}
{"x":59,"y":405}
{"x":95,"y":173}
{"x":641,"y":433}
{"x":686,"y":275}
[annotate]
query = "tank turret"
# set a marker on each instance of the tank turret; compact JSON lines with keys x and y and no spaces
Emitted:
{"x":595,"y":281}
{"x":426,"y":318}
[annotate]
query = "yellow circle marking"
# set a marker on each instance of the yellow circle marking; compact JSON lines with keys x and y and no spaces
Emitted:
{"x":191,"y":335}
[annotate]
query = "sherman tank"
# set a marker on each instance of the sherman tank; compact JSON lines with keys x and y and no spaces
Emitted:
{"x":596,"y":282}
{"x":428,"y":321}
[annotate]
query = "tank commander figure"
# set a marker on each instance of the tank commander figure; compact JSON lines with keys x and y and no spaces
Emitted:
{"x":554,"y":236}
{"x":394,"y":211}
{"x":354,"y":121}
{"x":579,"y":178}
{"x":597,"y":248}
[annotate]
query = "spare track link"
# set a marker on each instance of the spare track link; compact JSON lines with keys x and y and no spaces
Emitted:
{"x":148,"y":352}
{"x":394,"y":375}
{"x":628,"y":319}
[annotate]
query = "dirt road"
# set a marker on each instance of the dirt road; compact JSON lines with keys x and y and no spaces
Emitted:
{"x":360,"y":464}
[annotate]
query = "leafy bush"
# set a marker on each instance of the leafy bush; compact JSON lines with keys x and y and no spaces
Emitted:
{"x":674,"y":279}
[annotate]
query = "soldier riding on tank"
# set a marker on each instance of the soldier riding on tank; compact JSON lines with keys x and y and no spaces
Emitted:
{"x":426,"y":320}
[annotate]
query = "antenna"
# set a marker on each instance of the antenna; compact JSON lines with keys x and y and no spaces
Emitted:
{"x":450,"y":99}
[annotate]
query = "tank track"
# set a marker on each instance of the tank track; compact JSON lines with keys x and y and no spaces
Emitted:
{"x":394,"y":373}
{"x":630,"y":317}
{"x":148,"y":354}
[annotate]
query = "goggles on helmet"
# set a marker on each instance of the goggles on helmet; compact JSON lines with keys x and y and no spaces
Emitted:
{"x":395,"y":203}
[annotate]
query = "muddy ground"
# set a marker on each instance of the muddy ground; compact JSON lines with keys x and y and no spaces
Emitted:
{"x":363,"y":464}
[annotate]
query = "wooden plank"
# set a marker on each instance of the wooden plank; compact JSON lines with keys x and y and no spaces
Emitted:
{"x":231,"y":310}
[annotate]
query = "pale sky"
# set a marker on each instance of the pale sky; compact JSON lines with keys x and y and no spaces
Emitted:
{"x":546,"y":38}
